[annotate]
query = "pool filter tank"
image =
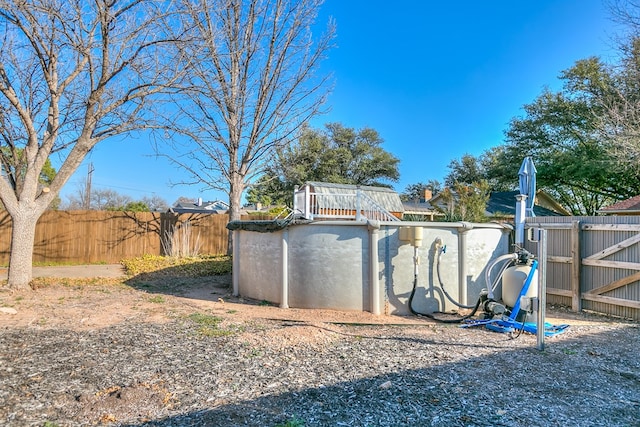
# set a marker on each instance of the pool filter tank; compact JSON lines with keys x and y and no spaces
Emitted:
{"x":514,"y":279}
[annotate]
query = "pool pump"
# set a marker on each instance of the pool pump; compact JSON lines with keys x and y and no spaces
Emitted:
{"x":490,"y":307}
{"x":514,"y":312}
{"x":520,"y":302}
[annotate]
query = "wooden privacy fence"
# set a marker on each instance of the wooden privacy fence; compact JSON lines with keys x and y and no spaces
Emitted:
{"x":87,"y":237}
{"x":593,"y":263}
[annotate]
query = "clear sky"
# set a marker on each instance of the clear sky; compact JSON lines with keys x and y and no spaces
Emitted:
{"x":436,"y":79}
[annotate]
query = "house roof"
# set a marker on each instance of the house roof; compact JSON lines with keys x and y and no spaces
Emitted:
{"x":503,"y":203}
{"x":385,"y":197}
{"x":627,"y":206}
{"x":418,"y":207}
{"x":214,"y":207}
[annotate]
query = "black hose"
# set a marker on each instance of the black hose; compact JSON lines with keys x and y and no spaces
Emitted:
{"x":454,"y":302}
{"x":520,"y":331}
{"x":431,"y":315}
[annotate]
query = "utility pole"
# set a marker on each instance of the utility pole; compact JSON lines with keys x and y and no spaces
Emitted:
{"x":87,"y":190}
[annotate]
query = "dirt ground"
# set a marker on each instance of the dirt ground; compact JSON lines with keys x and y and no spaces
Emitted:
{"x":138,"y":351}
{"x":103,"y":304}
{"x":65,"y":299}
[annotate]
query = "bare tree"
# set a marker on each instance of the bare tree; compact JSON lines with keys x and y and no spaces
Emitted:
{"x":72,"y":73}
{"x":155,"y":203}
{"x":75,"y":201}
{"x":107,"y":199}
{"x":253,"y":84}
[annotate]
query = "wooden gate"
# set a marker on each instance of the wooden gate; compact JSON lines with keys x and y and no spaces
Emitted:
{"x":593,"y":263}
{"x":621,"y":258}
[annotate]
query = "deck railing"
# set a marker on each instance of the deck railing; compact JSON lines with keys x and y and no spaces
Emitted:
{"x":357,"y":206}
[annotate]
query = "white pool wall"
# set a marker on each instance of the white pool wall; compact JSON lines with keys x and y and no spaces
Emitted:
{"x":348,"y":265}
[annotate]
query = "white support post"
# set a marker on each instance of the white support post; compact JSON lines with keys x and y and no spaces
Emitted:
{"x":462,"y":266}
{"x":358,"y":204}
{"x":284,"y":297}
{"x":374,"y":287}
{"x":463,"y":281}
{"x":235,"y":273}
{"x":307,"y":203}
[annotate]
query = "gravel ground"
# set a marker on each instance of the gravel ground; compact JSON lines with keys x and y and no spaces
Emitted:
{"x":194,"y":362}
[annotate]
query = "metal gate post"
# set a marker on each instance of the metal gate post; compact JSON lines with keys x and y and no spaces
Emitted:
{"x":540,"y":236}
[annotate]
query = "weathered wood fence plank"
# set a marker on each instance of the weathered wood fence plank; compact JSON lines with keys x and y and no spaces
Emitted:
{"x":87,"y":237}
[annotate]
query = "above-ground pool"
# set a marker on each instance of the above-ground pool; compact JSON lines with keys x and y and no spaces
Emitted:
{"x":366,"y":266}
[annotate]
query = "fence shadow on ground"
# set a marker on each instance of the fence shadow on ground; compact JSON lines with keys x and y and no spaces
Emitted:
{"x":177,"y":281}
{"x":175,"y":275}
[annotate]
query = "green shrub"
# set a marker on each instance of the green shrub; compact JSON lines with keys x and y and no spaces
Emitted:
{"x":179,"y":266}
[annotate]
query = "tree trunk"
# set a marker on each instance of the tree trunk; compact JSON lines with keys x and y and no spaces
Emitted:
{"x":235,"y":196}
{"x":22,"y":240}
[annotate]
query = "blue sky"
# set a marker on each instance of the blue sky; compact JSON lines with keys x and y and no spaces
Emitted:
{"x":435,"y":79}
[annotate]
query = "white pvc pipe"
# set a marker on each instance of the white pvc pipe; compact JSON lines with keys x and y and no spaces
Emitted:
{"x":342,"y":222}
{"x":520,"y":218}
{"x":487,"y":275}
